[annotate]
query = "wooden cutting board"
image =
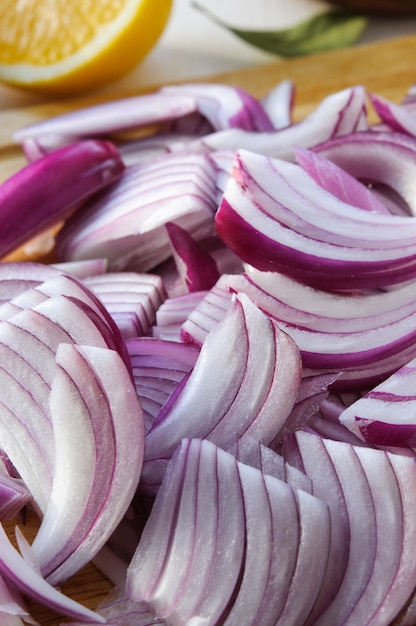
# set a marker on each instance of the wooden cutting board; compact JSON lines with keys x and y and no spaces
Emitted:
{"x":387,"y":68}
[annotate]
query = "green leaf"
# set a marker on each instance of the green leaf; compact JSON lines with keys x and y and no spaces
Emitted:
{"x":323,"y":31}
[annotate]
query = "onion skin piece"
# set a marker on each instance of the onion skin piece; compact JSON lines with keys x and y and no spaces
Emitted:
{"x":46,"y":191}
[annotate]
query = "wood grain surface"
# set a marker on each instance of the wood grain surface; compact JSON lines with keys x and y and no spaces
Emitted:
{"x":387,"y":68}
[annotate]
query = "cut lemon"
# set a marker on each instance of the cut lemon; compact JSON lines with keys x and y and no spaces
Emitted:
{"x":74,"y":45}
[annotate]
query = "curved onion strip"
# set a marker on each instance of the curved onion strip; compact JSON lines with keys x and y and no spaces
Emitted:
{"x":224,"y":106}
{"x":369,"y":589}
{"x":386,"y":158}
{"x":339,"y":332}
{"x":126,"y":225}
{"x":16,"y":277}
{"x":214,"y":524}
{"x":340,"y":113}
{"x":103,"y":449}
{"x":158,"y":367}
{"x":14,"y":495}
{"x":207,"y":314}
{"x":55,"y":184}
{"x":385,"y":416}
{"x":173,"y":313}
{"x":337,"y":181}
{"x":206,"y":498}
{"x":30,"y":582}
{"x":286,"y":222}
{"x":278,"y":103}
{"x":397,"y":116}
{"x":131,"y":299}
{"x":246,"y":366}
{"x":197,"y":268}
{"x":104,"y":118}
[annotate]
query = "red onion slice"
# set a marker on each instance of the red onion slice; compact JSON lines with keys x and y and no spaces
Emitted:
{"x":385,"y":158}
{"x":338,"y":114}
{"x":377,"y":580}
{"x":202,"y":585}
{"x":55,"y":184}
{"x":30,"y":582}
{"x":224,"y":106}
{"x":105,"y":118}
{"x":396,"y":116}
{"x":197,"y":268}
{"x":173,"y":313}
{"x":105,"y":444}
{"x":385,"y":415}
{"x":274,"y":216}
{"x":246,"y":367}
{"x":130,"y":298}
{"x":127,"y":224}
{"x":278,"y":103}
{"x":335,"y":180}
{"x":158,"y":367}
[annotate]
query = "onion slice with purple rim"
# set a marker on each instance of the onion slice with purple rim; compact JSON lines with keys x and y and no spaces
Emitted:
{"x":46,"y":191}
{"x":276,"y":217}
{"x":247,"y":367}
{"x":99,"y":442}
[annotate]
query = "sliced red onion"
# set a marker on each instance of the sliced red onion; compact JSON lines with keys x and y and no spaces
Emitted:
{"x":173,"y":313}
{"x":245,"y":352}
{"x":14,"y":495}
{"x":385,"y":415}
{"x":208,"y":313}
{"x":99,"y":442}
{"x":31,"y":583}
{"x":250,"y":452}
{"x":278,"y":103}
{"x":377,"y":158}
{"x":145,"y":148}
{"x":342,"y":332}
{"x":82,"y":269}
{"x":16,"y":277}
{"x":338,"y":114}
{"x":275,"y":217}
{"x":158,"y":367}
{"x":40,"y":317}
{"x":131,"y":299}
{"x":127,"y":224}
{"x":203,"y":585}
{"x":335,"y":180}
{"x":197,"y":267}
{"x":220,"y":519}
{"x":396,"y":116}
{"x":55,"y":185}
{"x":106,"y":118}
{"x":12,"y":608}
{"x":224,"y":106}
{"x":370,"y":579}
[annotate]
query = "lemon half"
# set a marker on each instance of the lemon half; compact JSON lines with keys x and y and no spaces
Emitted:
{"x":75,"y":45}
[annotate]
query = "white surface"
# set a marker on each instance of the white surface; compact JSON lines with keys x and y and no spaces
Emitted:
{"x":193,"y":46}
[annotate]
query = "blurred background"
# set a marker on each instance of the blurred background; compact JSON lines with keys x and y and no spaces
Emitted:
{"x":195,"y":45}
